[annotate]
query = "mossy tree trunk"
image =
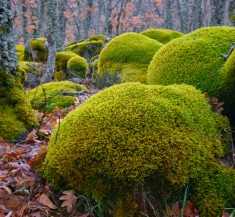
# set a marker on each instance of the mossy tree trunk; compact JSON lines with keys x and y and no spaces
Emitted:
{"x":16,"y":114}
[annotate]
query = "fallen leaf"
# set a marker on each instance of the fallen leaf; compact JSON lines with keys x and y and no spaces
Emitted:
{"x":31,"y":138}
{"x":7,"y":189}
{"x":69,"y":200}
{"x":45,"y":201}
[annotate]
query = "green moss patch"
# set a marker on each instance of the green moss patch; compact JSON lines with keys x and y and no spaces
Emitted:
{"x":162,"y":35}
{"x":36,"y":50}
{"x":16,"y":114}
{"x":195,"y":59}
{"x":53,"y":96}
{"x":130,"y":133}
{"x":20,"y":51}
{"x":78,"y":66}
{"x":129,"y":50}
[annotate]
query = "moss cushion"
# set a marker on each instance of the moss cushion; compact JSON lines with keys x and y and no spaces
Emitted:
{"x":162,"y":35}
{"x":78,"y":66}
{"x":131,"y":132}
{"x":53,"y":96}
{"x":125,"y":59}
{"x":196,"y":59}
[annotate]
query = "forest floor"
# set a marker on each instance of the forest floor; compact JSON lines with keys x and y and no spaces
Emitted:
{"x":25,"y":192}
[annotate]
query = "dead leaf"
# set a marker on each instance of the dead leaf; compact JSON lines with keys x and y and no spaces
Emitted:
{"x":31,"y":138}
{"x":69,"y":200}
{"x":9,"y":214}
{"x":45,"y":201}
{"x":7,"y":189}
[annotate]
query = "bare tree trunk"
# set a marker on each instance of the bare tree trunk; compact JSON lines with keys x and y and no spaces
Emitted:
{"x":61,"y":24}
{"x":168,"y":14}
{"x":24,"y":21}
{"x":218,"y":11}
{"x":87,"y":26}
{"x":52,"y":19}
{"x":48,"y":73}
{"x":108,"y":27}
{"x":41,"y":18}
{"x":8,"y":58}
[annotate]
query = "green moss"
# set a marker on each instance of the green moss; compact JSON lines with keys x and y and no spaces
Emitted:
{"x":16,"y":114}
{"x":162,"y":35}
{"x":59,"y":75}
{"x":195,"y":59}
{"x":78,"y":66}
{"x":20,"y":51}
{"x":213,"y":190}
{"x":53,"y":97}
{"x":62,"y":59}
{"x":88,"y":48}
{"x":131,"y":51}
{"x":131,"y":132}
{"x":37,"y":50}
{"x":23,"y":65}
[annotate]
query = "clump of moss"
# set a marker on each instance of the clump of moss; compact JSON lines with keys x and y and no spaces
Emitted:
{"x":162,"y":35}
{"x":78,"y":66}
{"x":53,"y":96}
{"x":213,"y":190}
{"x":61,"y":62}
{"x":88,"y":48}
{"x":196,"y":59}
{"x":126,"y":59}
{"x":16,"y":116}
{"x":36,"y":50}
{"x":129,"y":133}
{"x":20,"y":51}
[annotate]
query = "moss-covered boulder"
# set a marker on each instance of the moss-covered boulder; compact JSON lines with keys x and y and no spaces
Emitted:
{"x":131,"y":133}
{"x":88,"y":48}
{"x":61,"y":62}
{"x":126,"y":59}
{"x":16,"y":114}
{"x":36,"y":49}
{"x":213,"y":189}
{"x":20,"y":51}
{"x":78,"y":66}
{"x":54,"y":95}
{"x":196,"y":59}
{"x":162,"y":35}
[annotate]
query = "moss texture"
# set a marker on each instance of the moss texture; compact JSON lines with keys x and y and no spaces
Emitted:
{"x":162,"y":35}
{"x":195,"y":59}
{"x":16,"y":114}
{"x":61,"y":62}
{"x":131,"y":132}
{"x":88,"y":48}
{"x":20,"y":51}
{"x":213,"y":190}
{"x":36,"y":50}
{"x":53,"y":97}
{"x":78,"y":66}
{"x":126,"y":59}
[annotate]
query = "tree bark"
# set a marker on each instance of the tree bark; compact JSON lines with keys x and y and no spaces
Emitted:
{"x":41,"y":18}
{"x":61,"y":24}
{"x":24,"y":22}
{"x":8,"y":57}
{"x":87,"y":26}
{"x":48,"y":73}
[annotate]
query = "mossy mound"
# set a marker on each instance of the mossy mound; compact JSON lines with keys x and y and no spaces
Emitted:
{"x":88,"y":48}
{"x":126,"y":59}
{"x":53,"y":96}
{"x":36,"y":50}
{"x":196,"y":59}
{"x":61,"y":61}
{"x":16,"y":114}
{"x":162,"y":35}
{"x":78,"y":66}
{"x":20,"y":51}
{"x":213,"y":190}
{"x":130,"y":133}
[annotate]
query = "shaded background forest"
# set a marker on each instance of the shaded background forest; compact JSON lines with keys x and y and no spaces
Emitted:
{"x":70,"y":20}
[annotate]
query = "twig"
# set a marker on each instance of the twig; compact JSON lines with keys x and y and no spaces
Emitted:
{"x":226,"y":56}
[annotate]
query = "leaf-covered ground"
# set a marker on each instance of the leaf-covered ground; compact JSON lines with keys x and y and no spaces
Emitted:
{"x":24,"y":192}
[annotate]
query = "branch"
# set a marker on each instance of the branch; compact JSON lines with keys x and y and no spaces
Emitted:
{"x":226,"y":56}
{"x":65,"y":93}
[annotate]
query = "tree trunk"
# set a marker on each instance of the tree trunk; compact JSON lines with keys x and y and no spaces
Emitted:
{"x":41,"y":18}
{"x":8,"y":58}
{"x":48,"y":73}
{"x":52,"y":19}
{"x":218,"y":11}
{"x":24,"y":22}
{"x":87,"y":26}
